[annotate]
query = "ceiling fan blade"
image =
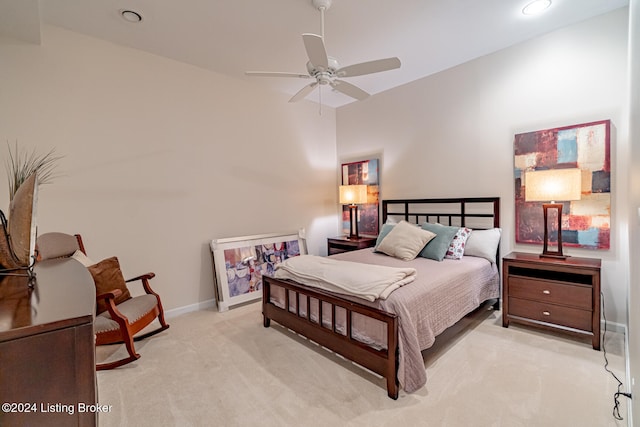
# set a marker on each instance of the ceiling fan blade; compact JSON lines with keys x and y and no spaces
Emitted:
{"x":349,"y":89}
{"x":276,"y":74}
{"x":316,"y":52}
{"x":303,"y":92}
{"x":369,"y":67}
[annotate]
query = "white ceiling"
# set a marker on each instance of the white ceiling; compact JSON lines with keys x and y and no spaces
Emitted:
{"x":234,"y":36}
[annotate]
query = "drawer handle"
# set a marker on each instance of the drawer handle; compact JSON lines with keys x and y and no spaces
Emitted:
{"x":546,"y":292}
{"x":546,"y":313}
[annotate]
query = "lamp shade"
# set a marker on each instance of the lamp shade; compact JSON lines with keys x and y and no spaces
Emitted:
{"x":353,"y":194}
{"x":553,"y":185}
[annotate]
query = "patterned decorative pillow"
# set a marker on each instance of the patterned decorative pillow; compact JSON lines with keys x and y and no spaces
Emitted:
{"x":456,"y":247}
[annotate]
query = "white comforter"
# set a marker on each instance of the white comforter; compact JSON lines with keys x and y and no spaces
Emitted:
{"x":366,"y":281}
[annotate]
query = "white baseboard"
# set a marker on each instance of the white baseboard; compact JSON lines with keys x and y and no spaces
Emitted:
{"x":614,"y":327}
{"x":203,"y":305}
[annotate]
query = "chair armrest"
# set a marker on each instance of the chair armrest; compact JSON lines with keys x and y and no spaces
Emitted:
{"x":147,"y":276}
{"x":112,"y":308}
{"x":145,"y":282}
{"x":109,"y":295}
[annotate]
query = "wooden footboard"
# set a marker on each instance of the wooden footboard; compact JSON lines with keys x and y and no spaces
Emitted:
{"x":383,"y":361}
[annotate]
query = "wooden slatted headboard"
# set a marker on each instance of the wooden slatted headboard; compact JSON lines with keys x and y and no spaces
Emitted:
{"x":472,"y":212}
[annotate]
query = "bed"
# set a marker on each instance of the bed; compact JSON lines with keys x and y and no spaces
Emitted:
{"x":387,"y":336}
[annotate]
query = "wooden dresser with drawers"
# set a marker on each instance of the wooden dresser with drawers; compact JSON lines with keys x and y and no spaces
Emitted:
{"x":553,"y":294}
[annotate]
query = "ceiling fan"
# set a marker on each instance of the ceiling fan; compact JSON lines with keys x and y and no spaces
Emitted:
{"x":325,"y":70}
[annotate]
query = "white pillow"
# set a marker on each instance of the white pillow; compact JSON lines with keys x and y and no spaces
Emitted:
{"x":483,"y":243}
{"x":82,"y":258}
{"x":405,"y":241}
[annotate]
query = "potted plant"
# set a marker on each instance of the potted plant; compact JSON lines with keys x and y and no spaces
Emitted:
{"x":25,"y":171}
{"x":21,"y":164}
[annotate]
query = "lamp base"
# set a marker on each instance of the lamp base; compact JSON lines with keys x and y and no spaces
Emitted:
{"x":553,"y":255}
{"x":546,"y":253}
{"x":353,"y":222}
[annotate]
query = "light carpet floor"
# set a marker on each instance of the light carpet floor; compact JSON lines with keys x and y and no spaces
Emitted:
{"x":226,"y":369}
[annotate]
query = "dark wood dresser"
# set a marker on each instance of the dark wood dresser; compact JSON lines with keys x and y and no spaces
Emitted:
{"x":47,"y":350}
{"x":556,"y":294}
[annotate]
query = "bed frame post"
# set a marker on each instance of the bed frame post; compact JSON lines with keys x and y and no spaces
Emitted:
{"x":393,"y":387}
{"x":266,"y":292}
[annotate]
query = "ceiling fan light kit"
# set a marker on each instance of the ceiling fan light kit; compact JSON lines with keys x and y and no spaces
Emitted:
{"x":325,"y":69}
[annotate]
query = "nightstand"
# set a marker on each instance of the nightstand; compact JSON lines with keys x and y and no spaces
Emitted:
{"x":555,"y":294}
{"x":336,"y":245}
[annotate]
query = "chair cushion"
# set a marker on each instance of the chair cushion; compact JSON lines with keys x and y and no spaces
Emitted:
{"x":56,"y":245}
{"x":105,"y":324}
{"x":108,"y":277}
{"x":134,"y":308}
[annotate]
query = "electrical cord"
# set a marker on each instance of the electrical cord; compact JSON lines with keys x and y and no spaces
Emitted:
{"x":616,"y":395}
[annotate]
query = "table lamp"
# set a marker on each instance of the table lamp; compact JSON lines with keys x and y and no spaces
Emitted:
{"x":552,"y":185}
{"x":353,"y":195}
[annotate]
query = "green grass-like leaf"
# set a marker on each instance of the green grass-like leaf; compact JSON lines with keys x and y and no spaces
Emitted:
{"x":21,"y":164}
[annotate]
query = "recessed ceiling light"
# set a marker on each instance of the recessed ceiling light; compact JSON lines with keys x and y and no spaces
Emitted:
{"x":131,"y":16}
{"x":536,"y":7}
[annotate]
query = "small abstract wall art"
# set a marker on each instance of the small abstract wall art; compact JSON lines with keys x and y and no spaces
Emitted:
{"x":586,"y":223}
{"x":359,"y":173}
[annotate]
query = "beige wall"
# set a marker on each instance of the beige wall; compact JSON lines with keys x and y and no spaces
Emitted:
{"x":451,"y":134}
{"x":161,"y":157}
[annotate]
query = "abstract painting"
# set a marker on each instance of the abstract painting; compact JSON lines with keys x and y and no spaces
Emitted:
{"x":359,"y":173}
{"x":586,"y":222}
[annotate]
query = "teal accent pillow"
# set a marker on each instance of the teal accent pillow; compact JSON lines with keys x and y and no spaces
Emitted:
{"x":437,"y":248}
{"x":386,"y":228}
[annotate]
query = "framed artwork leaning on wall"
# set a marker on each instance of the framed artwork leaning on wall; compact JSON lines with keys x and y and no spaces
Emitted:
{"x":240,"y":262}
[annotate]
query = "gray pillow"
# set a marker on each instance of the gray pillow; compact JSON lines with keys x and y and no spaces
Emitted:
{"x":437,"y":248}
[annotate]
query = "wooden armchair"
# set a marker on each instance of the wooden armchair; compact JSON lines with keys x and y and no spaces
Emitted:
{"x":123,"y":316}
